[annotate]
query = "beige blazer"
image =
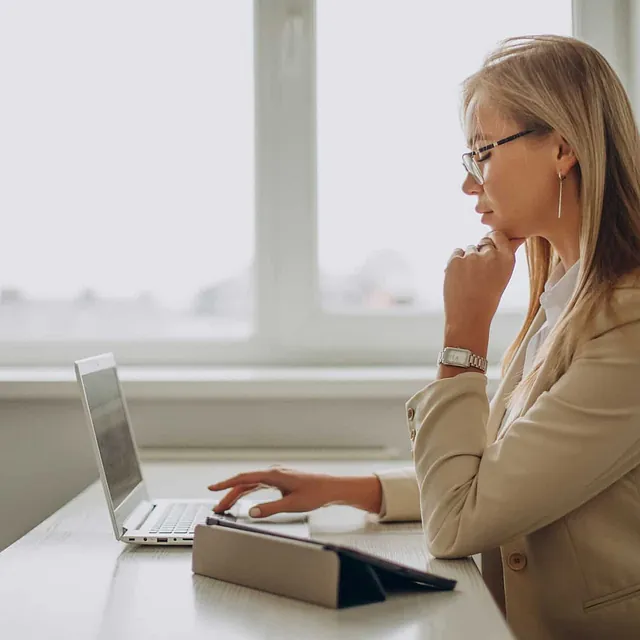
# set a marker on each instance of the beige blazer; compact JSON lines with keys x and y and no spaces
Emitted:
{"x":552,"y":501}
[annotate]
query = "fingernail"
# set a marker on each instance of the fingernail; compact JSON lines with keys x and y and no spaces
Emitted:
{"x":254,"y":512}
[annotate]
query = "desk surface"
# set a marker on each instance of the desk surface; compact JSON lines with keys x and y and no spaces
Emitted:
{"x":69,"y":578}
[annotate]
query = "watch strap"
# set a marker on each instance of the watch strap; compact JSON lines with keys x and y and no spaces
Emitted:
{"x":478,"y":362}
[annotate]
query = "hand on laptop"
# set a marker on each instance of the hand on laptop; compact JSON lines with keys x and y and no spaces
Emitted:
{"x":300,"y":491}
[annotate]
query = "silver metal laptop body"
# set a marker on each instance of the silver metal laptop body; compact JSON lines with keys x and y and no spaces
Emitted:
{"x":136,"y":518}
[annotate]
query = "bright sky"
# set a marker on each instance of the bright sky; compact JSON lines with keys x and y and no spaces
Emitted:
{"x":126,"y":128}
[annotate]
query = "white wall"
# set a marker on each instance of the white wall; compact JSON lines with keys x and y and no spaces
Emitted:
{"x":45,"y":459}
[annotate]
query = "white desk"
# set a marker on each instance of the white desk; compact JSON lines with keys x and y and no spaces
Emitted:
{"x":69,"y":578}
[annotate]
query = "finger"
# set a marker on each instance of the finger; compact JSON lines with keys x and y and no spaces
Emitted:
{"x":288,"y":503}
{"x":234,"y":495}
{"x":230,"y":499}
{"x":506,"y":244}
{"x":471,"y":248}
{"x":266,"y":477}
{"x":457,"y":253}
{"x":501,"y":241}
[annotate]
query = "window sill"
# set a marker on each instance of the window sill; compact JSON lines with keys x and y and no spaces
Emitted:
{"x":228,"y":383}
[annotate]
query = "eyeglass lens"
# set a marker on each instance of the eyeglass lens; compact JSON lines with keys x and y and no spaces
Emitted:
{"x":472,"y":167}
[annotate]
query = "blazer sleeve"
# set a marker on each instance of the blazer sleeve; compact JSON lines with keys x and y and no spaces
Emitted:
{"x":577,"y":439}
{"x":400,"y":496}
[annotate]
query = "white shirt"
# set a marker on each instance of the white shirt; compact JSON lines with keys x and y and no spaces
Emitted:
{"x":556,"y":295}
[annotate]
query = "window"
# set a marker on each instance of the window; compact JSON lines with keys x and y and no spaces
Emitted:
{"x":243,"y":182}
{"x":391,"y":209}
{"x":127,"y":163}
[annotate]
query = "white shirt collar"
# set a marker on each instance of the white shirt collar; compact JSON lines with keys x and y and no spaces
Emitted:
{"x":558,"y":290}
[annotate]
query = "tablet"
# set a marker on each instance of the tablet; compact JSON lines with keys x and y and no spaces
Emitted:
{"x":385,"y":569}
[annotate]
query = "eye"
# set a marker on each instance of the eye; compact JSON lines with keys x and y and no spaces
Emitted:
{"x":486,"y":156}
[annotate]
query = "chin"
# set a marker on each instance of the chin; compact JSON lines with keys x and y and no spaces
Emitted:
{"x":491,"y":223}
{"x":495,"y":225}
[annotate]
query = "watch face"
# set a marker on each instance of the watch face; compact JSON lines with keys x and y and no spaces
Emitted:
{"x":456,"y":356}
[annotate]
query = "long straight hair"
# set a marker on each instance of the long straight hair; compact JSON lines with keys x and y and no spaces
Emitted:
{"x":556,"y":83}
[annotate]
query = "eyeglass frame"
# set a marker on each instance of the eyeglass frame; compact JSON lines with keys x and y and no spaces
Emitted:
{"x":474,"y":169}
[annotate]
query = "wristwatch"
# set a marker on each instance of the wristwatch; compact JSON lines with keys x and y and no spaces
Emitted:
{"x":458,"y":357}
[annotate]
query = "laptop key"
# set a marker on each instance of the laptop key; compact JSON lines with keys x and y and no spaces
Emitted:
{"x":178,"y":519}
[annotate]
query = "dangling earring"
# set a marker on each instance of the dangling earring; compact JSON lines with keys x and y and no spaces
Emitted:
{"x":561,"y":178}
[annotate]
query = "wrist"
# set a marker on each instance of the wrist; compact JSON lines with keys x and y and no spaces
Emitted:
{"x":476,"y":340}
{"x":362,"y":492}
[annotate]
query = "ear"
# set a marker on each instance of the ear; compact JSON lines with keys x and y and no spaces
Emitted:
{"x":565,"y":156}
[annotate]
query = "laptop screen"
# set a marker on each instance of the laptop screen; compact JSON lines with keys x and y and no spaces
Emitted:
{"x":113,"y":434}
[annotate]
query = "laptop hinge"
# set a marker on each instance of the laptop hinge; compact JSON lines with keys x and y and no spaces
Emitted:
{"x":137,"y":516}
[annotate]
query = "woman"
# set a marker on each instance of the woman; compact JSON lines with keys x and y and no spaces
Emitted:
{"x":545,"y":480}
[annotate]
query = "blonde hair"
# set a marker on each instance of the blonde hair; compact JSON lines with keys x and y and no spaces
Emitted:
{"x":555,"y":83}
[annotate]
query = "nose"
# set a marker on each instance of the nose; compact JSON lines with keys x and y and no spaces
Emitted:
{"x":470,"y":186}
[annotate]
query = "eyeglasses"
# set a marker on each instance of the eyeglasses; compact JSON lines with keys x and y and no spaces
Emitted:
{"x":470,"y":163}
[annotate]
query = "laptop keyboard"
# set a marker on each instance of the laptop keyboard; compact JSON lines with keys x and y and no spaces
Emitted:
{"x":180,"y":519}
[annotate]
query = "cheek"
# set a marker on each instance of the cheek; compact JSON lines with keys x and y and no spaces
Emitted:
{"x":511,"y":192}
{"x":515,"y":201}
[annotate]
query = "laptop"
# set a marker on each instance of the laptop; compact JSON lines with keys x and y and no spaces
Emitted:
{"x":136,"y":518}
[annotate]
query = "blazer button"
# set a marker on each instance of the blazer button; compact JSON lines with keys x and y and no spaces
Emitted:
{"x":517,"y":561}
{"x":411,"y":412}
{"x":412,"y":435}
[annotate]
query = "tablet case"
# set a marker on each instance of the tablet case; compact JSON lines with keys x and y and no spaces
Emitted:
{"x":330,"y":575}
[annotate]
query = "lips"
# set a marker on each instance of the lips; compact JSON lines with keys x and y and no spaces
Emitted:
{"x":481,"y":211}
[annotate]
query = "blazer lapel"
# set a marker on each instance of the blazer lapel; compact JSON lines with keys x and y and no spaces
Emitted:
{"x":510,"y":379}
